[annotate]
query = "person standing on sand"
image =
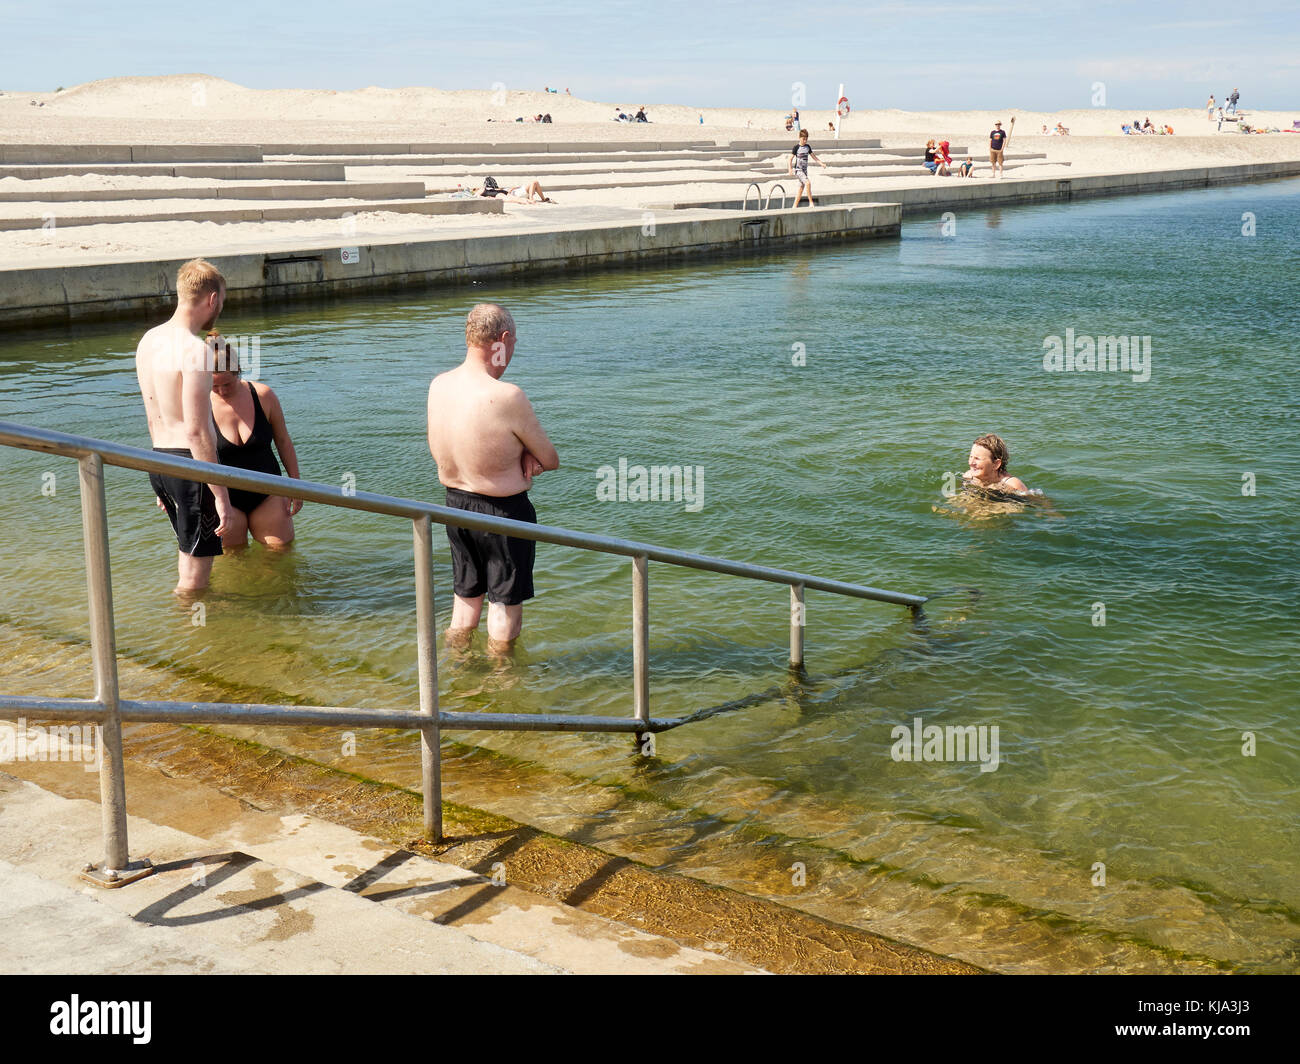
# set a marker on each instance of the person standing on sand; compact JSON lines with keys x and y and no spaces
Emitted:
{"x":798,"y":167}
{"x":1209,"y":108}
{"x":174,"y":369}
{"x":1232,"y":102}
{"x":997,"y":143}
{"x":488,"y":445}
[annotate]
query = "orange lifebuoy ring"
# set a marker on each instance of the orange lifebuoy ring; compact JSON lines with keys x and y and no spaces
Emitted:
{"x":842,"y":108}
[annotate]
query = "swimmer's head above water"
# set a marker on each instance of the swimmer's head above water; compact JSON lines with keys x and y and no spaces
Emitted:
{"x":988,"y":464}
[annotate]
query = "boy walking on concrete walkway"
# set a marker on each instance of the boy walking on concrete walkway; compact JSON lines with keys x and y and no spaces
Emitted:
{"x":799,"y":156}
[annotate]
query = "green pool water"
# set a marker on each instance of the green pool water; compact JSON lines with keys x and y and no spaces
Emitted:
{"x":1119,"y":743}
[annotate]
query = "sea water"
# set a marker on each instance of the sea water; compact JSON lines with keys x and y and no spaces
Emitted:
{"x":1130,"y":634}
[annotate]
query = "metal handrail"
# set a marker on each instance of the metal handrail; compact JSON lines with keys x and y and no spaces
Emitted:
{"x":758,"y":195}
{"x":109,"y":710}
{"x":37,"y":439}
{"x":767,"y":202}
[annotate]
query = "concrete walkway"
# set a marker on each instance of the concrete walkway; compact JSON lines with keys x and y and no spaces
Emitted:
{"x":277,"y":895}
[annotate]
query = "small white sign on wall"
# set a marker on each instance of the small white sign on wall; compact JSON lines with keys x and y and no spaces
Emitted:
{"x":350,"y":255}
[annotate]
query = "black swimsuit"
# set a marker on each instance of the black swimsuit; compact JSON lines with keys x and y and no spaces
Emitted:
{"x":256,"y":455}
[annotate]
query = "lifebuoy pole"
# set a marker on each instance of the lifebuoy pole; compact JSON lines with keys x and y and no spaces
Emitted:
{"x":838,"y":117}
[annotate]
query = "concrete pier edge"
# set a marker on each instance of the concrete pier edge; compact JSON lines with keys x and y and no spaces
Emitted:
{"x":60,"y":294}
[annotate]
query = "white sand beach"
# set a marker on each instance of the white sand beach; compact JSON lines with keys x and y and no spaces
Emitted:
{"x":203,"y":110}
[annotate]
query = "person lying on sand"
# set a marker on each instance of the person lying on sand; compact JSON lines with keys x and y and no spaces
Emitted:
{"x":527,"y":191}
{"x":988,"y":466}
{"x":518,"y":193}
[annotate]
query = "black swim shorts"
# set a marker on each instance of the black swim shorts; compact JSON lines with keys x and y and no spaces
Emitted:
{"x":191,"y":507}
{"x":488,"y":562}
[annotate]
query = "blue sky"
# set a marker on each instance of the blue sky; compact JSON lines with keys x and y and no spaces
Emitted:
{"x":914,"y":56}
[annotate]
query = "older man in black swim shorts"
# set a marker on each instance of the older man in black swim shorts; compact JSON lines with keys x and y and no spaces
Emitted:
{"x":488,"y":444}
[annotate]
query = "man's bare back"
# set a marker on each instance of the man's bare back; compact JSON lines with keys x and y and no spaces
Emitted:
{"x":479,"y":431}
{"x":161,"y":358}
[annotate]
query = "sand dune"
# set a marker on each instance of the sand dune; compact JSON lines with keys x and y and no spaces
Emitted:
{"x":194,"y":106}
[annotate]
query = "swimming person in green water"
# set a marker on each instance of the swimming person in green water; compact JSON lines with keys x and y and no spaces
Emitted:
{"x":988,"y":466}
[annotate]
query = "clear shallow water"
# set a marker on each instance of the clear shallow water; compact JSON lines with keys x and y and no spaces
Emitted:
{"x":1120,"y":744}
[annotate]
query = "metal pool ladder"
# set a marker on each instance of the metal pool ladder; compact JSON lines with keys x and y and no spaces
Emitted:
{"x":758,"y":196}
{"x":108,"y":709}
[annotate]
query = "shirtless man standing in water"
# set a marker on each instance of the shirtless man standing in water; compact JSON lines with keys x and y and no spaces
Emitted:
{"x":174,"y":368}
{"x":488,"y":445}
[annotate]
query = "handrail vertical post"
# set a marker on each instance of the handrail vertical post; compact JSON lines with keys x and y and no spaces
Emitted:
{"x":103,"y":651}
{"x":797,"y":618}
{"x":427,"y":642}
{"x":640,"y":638}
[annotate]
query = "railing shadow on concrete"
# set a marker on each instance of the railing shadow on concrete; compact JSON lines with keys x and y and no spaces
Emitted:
{"x":108,"y":709}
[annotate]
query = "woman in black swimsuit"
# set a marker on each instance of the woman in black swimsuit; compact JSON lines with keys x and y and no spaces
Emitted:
{"x":248,"y":419}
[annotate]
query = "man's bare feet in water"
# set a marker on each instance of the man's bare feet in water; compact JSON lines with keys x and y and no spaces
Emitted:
{"x":458,"y":638}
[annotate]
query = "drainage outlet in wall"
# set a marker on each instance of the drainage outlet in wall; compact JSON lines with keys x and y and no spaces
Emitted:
{"x":293,"y":269}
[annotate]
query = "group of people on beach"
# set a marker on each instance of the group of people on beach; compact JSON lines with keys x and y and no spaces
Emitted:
{"x":1231,"y":103}
{"x":938,"y":155}
{"x":938,"y":161}
{"x":483,"y":435}
{"x":1136,"y":128}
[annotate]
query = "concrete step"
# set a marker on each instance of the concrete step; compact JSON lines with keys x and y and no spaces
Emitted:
{"x":128,"y":153}
{"x":204,"y":906}
{"x":482,"y":147}
{"x":256,"y":213}
{"x":315,"y":190}
{"x":601,"y":181}
{"x":542,"y":173}
{"x":261,"y":892}
{"x":524,"y":159}
{"x":574,"y":183}
{"x":833,"y":195}
{"x":331,"y":171}
{"x":784,"y":140}
{"x":896,"y":170}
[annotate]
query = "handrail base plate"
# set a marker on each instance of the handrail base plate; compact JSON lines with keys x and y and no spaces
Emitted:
{"x":111,"y":879}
